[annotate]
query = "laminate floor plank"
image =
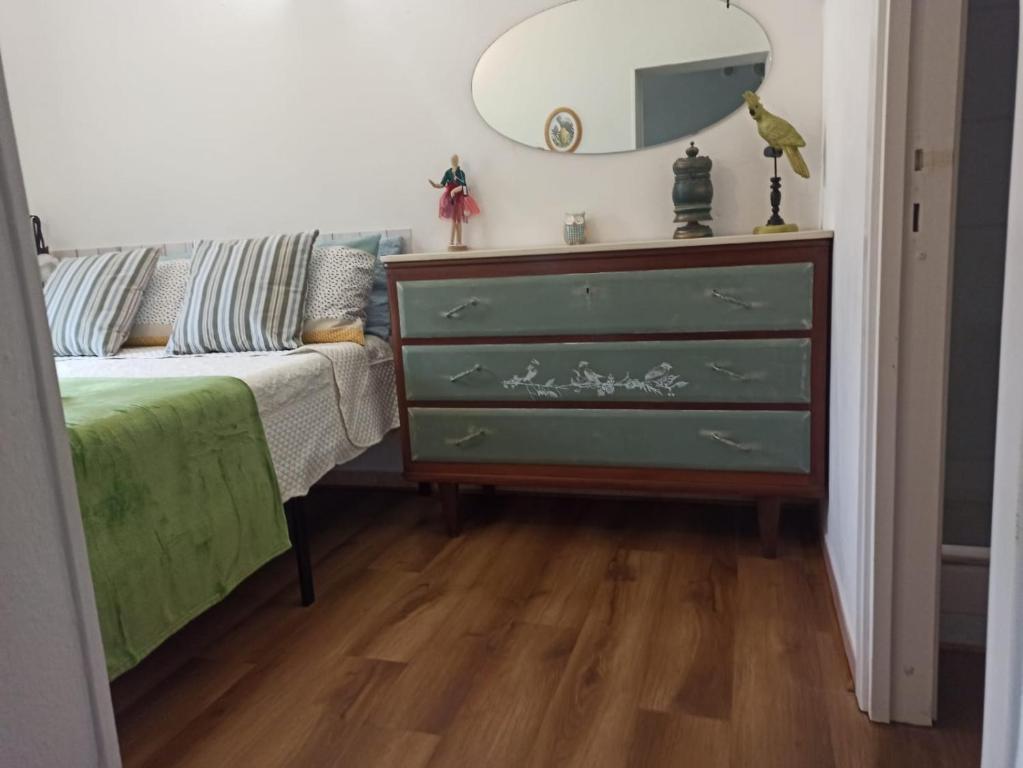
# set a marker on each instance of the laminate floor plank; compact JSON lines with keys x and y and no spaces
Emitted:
{"x":195,"y":686}
{"x":524,"y":555}
{"x":405,"y":626}
{"x":553,"y":632}
{"x":592,"y":714}
{"x":271,"y":630}
{"x":484,"y":598}
{"x":695,"y":628}
{"x":669,"y":740}
{"x":371,"y":745}
{"x":274,"y":694}
{"x":338,"y":712}
{"x":415,"y":550}
{"x":492,"y":557}
{"x":778,"y":717}
{"x":564,"y":593}
{"x":503,"y":711}
{"x":428,"y":694}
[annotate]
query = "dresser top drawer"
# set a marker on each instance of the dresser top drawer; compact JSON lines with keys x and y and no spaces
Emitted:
{"x":765,"y":297}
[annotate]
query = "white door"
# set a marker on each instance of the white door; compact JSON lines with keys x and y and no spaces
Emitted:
{"x":54,"y":697}
{"x":935,"y":74}
{"x":920,"y":80}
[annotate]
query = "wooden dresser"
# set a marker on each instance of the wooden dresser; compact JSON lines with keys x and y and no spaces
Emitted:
{"x":696,"y":367}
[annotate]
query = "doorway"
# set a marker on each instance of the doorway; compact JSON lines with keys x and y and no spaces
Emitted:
{"x":979,"y":236}
{"x":913,"y":438}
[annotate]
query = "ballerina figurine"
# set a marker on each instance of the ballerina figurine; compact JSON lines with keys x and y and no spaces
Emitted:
{"x":455,"y":202}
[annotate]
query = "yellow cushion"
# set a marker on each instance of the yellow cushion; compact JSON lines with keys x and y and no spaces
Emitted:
{"x":332,"y":331}
{"x":149,"y":335}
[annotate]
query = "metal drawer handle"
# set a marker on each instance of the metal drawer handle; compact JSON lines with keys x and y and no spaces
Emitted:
{"x":729,"y":299}
{"x":458,"y":442}
{"x":733,"y":375}
{"x":468,"y":372}
{"x":722,"y":438}
{"x":453,"y":312}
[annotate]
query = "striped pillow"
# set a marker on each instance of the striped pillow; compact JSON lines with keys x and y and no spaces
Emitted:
{"x":244,"y":296}
{"x":91,"y":301}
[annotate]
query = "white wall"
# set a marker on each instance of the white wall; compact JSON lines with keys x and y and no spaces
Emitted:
{"x":172,"y":119}
{"x":584,"y":55}
{"x":849,"y":32}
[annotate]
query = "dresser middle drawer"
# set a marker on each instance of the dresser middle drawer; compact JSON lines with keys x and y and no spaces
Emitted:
{"x":733,"y":371}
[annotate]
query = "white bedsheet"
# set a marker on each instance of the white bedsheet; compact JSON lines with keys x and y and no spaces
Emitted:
{"x":321,"y":405}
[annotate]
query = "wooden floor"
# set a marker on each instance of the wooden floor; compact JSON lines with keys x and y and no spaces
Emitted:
{"x":554,"y":632}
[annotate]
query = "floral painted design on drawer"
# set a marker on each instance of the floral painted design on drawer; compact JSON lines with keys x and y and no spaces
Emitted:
{"x":659,"y":380}
{"x":746,"y":370}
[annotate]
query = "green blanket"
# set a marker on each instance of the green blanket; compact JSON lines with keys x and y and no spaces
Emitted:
{"x":179,"y":500}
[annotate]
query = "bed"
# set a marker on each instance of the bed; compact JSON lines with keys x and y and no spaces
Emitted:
{"x":185,"y":462}
{"x":318,"y":406}
{"x":321,"y":405}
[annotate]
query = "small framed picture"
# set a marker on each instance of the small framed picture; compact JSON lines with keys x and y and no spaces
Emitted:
{"x":563,"y":131}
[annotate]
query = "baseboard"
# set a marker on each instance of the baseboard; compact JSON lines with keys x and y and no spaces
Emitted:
{"x":836,"y":604}
{"x":964,"y":586}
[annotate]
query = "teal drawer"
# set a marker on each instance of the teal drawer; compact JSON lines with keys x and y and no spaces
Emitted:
{"x":740,"y":371}
{"x":769,"y":441}
{"x":760,"y":297}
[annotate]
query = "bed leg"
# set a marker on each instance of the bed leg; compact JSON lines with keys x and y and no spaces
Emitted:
{"x":295,"y":511}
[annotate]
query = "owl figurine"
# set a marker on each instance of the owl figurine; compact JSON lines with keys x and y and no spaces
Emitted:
{"x":575,"y":228}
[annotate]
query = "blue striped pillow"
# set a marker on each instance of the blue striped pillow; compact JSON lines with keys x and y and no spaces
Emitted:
{"x":91,"y":301}
{"x":244,"y":296}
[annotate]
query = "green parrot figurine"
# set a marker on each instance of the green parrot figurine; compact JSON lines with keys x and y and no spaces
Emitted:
{"x":778,"y":133}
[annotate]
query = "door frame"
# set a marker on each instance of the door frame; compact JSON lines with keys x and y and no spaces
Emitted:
{"x":907,"y":292}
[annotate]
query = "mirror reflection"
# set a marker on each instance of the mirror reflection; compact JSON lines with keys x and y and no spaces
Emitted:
{"x":598,"y":76}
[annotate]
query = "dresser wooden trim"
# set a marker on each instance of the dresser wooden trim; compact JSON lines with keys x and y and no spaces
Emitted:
{"x":713,"y":483}
{"x":639,"y":259}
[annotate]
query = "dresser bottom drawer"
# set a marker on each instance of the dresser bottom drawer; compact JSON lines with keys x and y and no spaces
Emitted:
{"x":744,"y":441}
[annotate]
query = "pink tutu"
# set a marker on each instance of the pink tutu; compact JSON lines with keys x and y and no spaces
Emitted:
{"x":460,"y":206}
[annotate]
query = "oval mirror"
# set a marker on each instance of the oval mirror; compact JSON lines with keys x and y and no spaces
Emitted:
{"x":597,"y":76}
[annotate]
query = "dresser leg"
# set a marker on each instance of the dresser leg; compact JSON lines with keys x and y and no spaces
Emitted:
{"x":426,"y":489}
{"x":449,"y":504}
{"x":768,"y":515}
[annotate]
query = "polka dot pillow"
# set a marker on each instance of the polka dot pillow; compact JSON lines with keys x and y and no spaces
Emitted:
{"x":160,"y":304}
{"x":337,"y":290}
